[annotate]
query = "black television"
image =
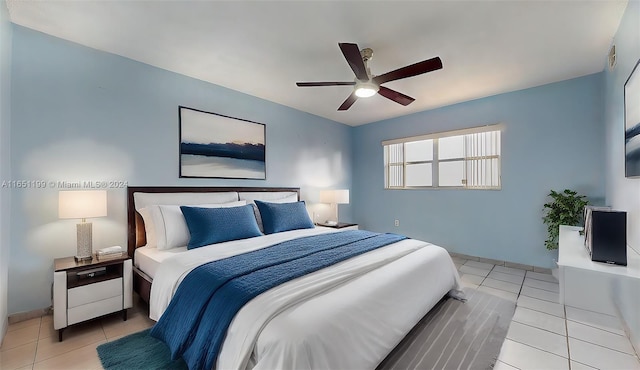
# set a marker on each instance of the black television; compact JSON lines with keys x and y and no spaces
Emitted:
{"x":606,"y":235}
{"x":586,"y":217}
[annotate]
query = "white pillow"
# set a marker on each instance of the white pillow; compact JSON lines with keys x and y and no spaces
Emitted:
{"x":142,"y":200}
{"x":149,"y":228}
{"x":171,"y":229}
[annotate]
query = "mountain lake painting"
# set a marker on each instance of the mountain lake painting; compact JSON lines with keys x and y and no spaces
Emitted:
{"x":213,"y":145}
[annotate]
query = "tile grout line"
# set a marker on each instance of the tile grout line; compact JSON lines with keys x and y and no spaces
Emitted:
{"x":596,"y":312}
{"x":600,"y":345}
{"x":539,"y":349}
{"x":520,"y":290}
{"x":542,"y":299}
{"x":550,"y":282}
{"x":540,"y":273}
{"x":535,"y":327}
{"x":103,"y":331}
{"x":506,"y":281}
{"x":485,"y":277}
{"x":35,"y":353}
{"x":596,"y":327}
{"x":566,"y":330}
{"x":509,"y":273}
{"x":533,"y":309}
{"x":546,"y":290}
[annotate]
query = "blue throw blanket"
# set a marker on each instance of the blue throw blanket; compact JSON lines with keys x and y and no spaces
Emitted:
{"x":194,"y":324}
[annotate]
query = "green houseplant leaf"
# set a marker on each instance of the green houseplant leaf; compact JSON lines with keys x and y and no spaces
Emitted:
{"x":565,"y":208}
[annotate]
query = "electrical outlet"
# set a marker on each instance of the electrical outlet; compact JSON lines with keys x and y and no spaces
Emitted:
{"x":396,"y":222}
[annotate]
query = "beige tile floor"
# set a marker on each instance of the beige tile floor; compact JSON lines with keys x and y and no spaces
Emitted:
{"x":33,"y":344}
{"x":543,"y":334}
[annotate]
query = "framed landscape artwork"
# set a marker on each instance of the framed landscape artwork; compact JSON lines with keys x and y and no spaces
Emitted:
{"x":217,"y":146}
{"x":632,"y":123}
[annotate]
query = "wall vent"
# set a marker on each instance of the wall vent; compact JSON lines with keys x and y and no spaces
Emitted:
{"x":612,"y":57}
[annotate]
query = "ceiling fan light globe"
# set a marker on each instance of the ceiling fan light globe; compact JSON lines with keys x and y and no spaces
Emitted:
{"x":365,"y":92}
{"x":366,"y":89}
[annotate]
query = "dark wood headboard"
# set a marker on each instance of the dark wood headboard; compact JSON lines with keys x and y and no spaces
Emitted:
{"x":136,"y":232}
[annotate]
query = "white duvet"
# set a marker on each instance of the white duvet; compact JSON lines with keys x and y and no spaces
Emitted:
{"x":347,"y":316}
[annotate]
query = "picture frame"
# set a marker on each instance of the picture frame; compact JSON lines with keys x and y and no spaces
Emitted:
{"x":632,"y":123}
{"x":213,"y":145}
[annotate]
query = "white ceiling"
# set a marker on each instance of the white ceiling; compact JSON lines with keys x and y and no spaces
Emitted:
{"x":263,"y":48}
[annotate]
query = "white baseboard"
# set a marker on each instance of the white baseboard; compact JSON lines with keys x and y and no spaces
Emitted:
{"x":23,"y":316}
{"x":543,"y":270}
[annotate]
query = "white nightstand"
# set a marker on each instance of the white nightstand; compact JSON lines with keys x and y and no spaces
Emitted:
{"x":340,"y":225}
{"x":89,"y":289}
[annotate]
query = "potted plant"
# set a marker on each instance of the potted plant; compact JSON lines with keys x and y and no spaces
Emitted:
{"x":565,"y":209}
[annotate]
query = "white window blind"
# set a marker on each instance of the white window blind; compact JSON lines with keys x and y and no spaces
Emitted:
{"x":468,"y":159}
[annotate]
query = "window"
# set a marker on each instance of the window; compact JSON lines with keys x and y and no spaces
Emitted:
{"x":468,"y":159}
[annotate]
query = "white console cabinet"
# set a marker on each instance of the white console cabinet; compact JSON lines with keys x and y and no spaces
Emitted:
{"x":594,"y":286}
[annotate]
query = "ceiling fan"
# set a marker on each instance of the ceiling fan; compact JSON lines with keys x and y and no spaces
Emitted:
{"x":366,"y":84}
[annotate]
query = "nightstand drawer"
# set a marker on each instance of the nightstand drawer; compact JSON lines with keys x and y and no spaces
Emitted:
{"x":94,"y":292}
{"x":95,"y":309}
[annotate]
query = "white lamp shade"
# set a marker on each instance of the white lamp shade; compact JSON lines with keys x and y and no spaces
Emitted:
{"x":82,"y":203}
{"x":340,"y":196}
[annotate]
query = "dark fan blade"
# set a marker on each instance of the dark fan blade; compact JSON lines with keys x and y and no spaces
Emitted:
{"x":397,"y":97}
{"x":351,"y":53}
{"x":410,"y":71}
{"x":349,"y":102}
{"x":311,"y":84}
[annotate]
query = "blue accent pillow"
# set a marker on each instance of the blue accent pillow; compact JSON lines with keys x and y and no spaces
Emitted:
{"x":216,"y":225}
{"x":277,"y":217}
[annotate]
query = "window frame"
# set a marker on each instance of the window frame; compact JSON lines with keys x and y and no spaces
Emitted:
{"x":435,"y":161}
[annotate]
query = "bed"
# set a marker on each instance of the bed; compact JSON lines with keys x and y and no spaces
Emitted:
{"x":349,"y":315}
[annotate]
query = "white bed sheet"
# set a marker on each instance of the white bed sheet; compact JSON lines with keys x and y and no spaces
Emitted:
{"x":148,"y":259}
{"x":172,"y":270}
{"x":346,"y":316}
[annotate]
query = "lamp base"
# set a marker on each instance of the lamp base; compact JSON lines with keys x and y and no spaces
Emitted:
{"x":85,"y":247}
{"x":82,"y":259}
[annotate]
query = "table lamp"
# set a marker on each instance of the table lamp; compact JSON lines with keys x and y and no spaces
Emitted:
{"x":334,"y":197}
{"x":83,"y":204}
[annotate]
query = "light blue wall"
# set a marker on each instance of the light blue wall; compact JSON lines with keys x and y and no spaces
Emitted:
{"x":552,"y":140}
{"x":82,"y":114}
{"x":5,"y":163}
{"x":622,"y":193}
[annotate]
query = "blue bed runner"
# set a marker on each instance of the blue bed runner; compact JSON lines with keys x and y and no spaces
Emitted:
{"x":194,"y":324}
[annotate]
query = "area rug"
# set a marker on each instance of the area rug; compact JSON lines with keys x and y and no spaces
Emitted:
{"x":137,"y":351}
{"x":453,"y":335}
